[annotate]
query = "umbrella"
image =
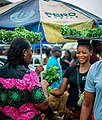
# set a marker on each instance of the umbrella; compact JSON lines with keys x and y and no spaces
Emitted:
{"x":46,"y":16}
{"x":70,"y":46}
{"x":37,"y":46}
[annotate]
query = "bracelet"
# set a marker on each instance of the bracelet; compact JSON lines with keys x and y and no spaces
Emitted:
{"x":49,"y":90}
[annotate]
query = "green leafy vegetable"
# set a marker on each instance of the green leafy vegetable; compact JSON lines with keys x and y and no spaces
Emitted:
{"x":90,"y":33}
{"x":20,"y":31}
{"x":52,"y":75}
{"x":49,"y":90}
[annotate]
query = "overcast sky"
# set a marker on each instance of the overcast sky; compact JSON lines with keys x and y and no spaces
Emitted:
{"x":93,"y":6}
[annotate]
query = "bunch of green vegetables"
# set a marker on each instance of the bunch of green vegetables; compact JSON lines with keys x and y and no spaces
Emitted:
{"x":20,"y":31}
{"x":90,"y":33}
{"x":52,"y":75}
{"x":65,"y":30}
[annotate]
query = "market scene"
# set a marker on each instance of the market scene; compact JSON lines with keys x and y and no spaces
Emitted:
{"x":50,"y":60}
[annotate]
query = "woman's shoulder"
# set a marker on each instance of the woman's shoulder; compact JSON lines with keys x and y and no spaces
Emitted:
{"x":72,"y":68}
{"x":18,"y":72}
{"x":97,"y":66}
{"x":3,"y":70}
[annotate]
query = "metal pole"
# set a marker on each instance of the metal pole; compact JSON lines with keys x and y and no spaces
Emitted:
{"x":41,"y":50}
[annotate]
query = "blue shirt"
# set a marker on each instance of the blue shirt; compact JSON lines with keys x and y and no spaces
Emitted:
{"x":94,"y":84}
{"x":54,"y":61}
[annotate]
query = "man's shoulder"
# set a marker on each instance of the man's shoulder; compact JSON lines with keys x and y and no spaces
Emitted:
{"x":71,"y":69}
{"x":52,"y":59}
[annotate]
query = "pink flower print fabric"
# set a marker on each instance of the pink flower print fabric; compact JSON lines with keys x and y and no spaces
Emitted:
{"x":19,"y":98}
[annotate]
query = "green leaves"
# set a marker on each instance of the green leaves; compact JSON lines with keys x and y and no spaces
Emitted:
{"x":20,"y":31}
{"x":90,"y":33}
{"x":65,"y":30}
{"x":49,"y":90}
{"x":52,"y":75}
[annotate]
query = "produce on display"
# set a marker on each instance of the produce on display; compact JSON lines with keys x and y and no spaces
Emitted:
{"x":20,"y":31}
{"x":85,"y":33}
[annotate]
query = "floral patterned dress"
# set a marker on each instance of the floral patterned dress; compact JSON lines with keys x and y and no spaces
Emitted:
{"x":19,"y":98}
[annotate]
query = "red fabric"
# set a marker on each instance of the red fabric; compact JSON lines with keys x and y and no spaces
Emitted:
{"x":93,"y":59}
{"x":92,"y":117}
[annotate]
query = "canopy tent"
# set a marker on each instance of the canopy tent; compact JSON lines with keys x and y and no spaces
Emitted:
{"x":46,"y":16}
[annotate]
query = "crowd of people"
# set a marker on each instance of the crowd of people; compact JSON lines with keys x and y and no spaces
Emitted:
{"x":23,"y":96}
{"x":70,"y":76}
{"x":75,"y":77}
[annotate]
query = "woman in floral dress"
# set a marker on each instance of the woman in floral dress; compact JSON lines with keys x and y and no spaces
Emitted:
{"x":21,"y":94}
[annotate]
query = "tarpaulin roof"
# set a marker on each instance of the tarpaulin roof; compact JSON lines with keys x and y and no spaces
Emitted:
{"x":46,"y":16}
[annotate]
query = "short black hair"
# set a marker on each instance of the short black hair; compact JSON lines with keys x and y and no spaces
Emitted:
{"x":48,"y":51}
{"x":68,"y":51}
{"x":86,"y":43}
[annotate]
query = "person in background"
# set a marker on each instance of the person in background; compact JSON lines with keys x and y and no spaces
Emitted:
{"x":58,"y":104}
{"x":93,"y":90}
{"x":22,"y":97}
{"x":48,"y":54}
{"x":94,"y":58}
{"x":74,"y":60}
{"x":53,"y":61}
{"x":84,"y":51}
{"x":65,"y":61}
{"x":99,"y":49}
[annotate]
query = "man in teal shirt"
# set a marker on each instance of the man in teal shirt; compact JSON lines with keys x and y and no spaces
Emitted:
{"x":57,"y":104}
{"x":53,"y":61}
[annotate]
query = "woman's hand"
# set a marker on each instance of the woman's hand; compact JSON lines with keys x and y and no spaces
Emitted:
{"x":39,"y":69}
{"x":44,"y":83}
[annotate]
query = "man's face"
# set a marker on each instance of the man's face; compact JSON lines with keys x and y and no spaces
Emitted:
{"x":58,"y":54}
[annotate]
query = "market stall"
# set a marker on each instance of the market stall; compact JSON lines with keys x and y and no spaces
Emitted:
{"x":47,"y":17}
